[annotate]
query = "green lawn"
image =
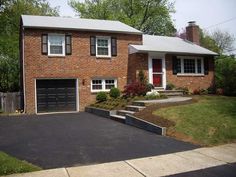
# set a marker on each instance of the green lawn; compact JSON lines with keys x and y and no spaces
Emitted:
{"x":10,"y":165}
{"x":210,"y":121}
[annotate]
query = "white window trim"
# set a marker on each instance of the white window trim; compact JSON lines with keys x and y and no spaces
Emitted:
{"x":103,"y":84}
{"x":63,"y":44}
{"x":109,"y":46}
{"x":190,"y":57}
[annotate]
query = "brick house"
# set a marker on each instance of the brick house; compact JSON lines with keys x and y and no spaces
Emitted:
{"x":66,"y":61}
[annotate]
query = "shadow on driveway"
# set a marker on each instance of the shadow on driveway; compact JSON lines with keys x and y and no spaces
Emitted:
{"x":62,"y":140}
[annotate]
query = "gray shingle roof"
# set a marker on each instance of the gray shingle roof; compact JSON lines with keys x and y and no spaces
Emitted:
{"x":30,"y":21}
{"x":170,"y":45}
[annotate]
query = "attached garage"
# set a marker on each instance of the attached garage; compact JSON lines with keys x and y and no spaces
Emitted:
{"x":56,"y":95}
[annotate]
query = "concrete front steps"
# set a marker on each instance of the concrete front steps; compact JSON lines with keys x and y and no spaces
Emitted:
{"x":171,"y":93}
{"x":129,"y":109}
{"x":137,"y":106}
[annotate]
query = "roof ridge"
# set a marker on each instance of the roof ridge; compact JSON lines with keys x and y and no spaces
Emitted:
{"x":161,"y":36}
{"x":67,"y":17}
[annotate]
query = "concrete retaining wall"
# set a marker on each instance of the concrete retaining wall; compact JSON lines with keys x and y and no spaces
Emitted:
{"x":134,"y":121}
{"x":98,"y":111}
{"x":129,"y":120}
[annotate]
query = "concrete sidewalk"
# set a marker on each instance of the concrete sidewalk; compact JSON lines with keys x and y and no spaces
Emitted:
{"x":187,"y":162}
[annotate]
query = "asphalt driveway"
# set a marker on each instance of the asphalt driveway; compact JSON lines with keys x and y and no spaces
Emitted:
{"x":62,"y":140}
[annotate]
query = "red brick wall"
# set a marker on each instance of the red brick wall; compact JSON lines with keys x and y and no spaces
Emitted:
{"x":137,"y":62}
{"x":78,"y":65}
{"x":191,"y":82}
{"x":192,"y":34}
{"x":140,"y":62}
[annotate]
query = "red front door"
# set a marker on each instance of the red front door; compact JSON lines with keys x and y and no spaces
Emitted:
{"x":157,"y":72}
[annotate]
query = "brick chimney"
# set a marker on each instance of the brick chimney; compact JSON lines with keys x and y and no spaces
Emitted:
{"x":192,"y":32}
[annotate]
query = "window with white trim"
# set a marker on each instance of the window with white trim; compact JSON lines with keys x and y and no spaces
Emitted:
{"x":109,"y":84}
{"x":190,"y":65}
{"x":56,"y":44}
{"x":103,"y":46}
{"x":103,"y":84}
{"x":96,"y":84}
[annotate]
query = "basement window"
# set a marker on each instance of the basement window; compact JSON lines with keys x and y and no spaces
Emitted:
{"x":98,"y":85}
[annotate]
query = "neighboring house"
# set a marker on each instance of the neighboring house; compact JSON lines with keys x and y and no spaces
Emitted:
{"x":66,"y":61}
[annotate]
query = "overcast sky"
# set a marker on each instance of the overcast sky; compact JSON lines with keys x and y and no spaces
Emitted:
{"x":209,"y":14}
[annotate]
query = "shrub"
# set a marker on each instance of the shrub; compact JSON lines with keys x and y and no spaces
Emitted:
{"x":219,"y":91}
{"x":185,"y":90}
{"x":142,"y":78}
{"x":196,"y":91}
{"x":149,"y":87}
{"x":211,"y":90}
{"x":170,"y":86}
{"x":152,"y":96}
{"x":135,"y":89}
{"x":101,"y":96}
{"x":114,"y":92}
{"x":203,"y":91}
{"x":225,"y":71}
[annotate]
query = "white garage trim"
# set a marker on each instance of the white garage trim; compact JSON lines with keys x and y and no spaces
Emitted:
{"x":77,"y":95}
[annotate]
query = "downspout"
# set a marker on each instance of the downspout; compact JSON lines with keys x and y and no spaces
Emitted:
{"x":23,"y":66}
{"x":23,"y":63}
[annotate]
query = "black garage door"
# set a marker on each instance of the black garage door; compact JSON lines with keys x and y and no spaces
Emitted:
{"x":56,"y":95}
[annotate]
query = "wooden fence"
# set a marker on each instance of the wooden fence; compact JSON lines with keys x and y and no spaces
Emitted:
{"x":9,"y":102}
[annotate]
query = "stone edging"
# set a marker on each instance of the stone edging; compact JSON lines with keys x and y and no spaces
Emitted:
{"x":130,"y":120}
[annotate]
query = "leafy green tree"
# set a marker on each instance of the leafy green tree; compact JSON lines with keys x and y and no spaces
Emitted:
{"x":208,"y":42}
{"x":10,"y":12}
{"x":218,"y":41}
{"x":225,"y":67}
{"x":149,"y":16}
{"x":224,"y":40}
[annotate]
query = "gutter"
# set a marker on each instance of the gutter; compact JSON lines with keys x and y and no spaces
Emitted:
{"x":81,"y":29}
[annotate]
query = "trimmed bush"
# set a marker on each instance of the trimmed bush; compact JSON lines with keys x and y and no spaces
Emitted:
{"x":114,"y":92}
{"x":101,"y":96}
